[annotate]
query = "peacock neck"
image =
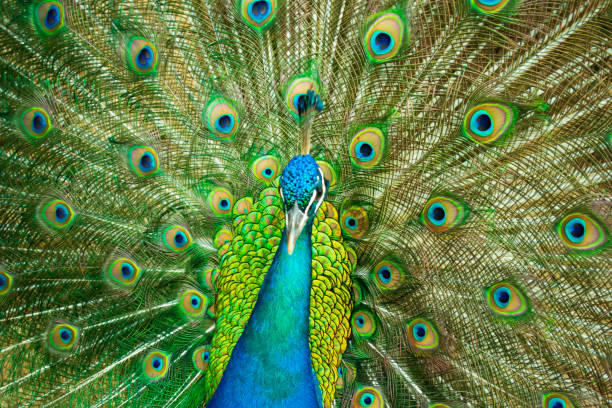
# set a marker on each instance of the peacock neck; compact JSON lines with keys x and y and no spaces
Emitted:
{"x":271,"y":363}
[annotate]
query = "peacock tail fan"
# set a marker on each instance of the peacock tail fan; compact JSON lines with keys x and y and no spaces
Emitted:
{"x":461,"y":258}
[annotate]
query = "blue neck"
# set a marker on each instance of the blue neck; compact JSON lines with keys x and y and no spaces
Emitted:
{"x":271,"y":365}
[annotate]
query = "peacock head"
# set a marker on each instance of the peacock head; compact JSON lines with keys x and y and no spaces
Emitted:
{"x":302,"y":188}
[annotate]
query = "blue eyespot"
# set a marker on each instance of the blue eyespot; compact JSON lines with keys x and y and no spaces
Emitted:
{"x":61,"y":213}
{"x":157,"y":363}
{"x":366,"y":399}
{"x":419,"y":331}
{"x":195,"y":301}
{"x":360,"y":321}
{"x":489,"y":2}
{"x":3,"y":282}
{"x":144,"y":59}
{"x":206,"y":356}
{"x":381,"y":42}
{"x":127,"y":270}
{"x":364,"y":151}
{"x":501,"y":296}
{"x":340,"y":371}
{"x":224,"y":204}
{"x":575,"y":230}
{"x":481,"y":123}
{"x":65,"y":335}
{"x":147,"y":162}
{"x":180,"y":239}
{"x":53,"y":17}
{"x":224,"y":123}
{"x":384,"y":273}
{"x":39,"y":122}
{"x":350,"y":222}
{"x":436,"y":214}
{"x":556,"y":403}
{"x":259,"y":10}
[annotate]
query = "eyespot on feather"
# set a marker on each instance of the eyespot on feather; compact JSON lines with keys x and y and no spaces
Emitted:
{"x":6,"y":282}
{"x":297,"y":93}
{"x":210,"y":277}
{"x":201,"y":357}
{"x":155,"y":365}
{"x":443,"y":213}
{"x":258,"y":14}
{"x":49,"y":17}
{"x":422,"y":335}
{"x":354,"y":222}
{"x":63,"y":336}
{"x":367,"y":397}
{"x":489,"y":6}
{"x":35,"y":122}
{"x":243,"y":206}
{"x":221,"y":118}
{"x":384,"y":36}
{"x":556,"y":400}
{"x":581,"y":232}
{"x":328,"y":172}
{"x":387,"y":275}
{"x":346,"y":375}
{"x":177,"y":238}
{"x":506,"y":300}
{"x":141,"y":56}
{"x":58,"y":214}
{"x":220,"y":201}
{"x":266,"y":169}
{"x":364,"y":323}
{"x":193,"y":303}
{"x":489,"y":122}
{"x":143,"y":161}
{"x":223,"y":236}
{"x":123,"y":272}
{"x":367,"y":147}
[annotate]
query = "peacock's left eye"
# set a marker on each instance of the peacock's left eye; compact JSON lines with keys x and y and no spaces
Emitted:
{"x":489,"y":6}
{"x":363,"y":323}
{"x":556,"y":400}
{"x":36,"y":122}
{"x":388,"y":275}
{"x":221,"y":118}
{"x":384,"y":37}
{"x":488,"y":122}
{"x":58,"y":214}
{"x":141,"y":56}
{"x":442,"y":213}
{"x":124,"y":272}
{"x":177,"y":238}
{"x":582,"y":232}
{"x":155,"y":365}
{"x":220,"y":201}
{"x":297,"y":93}
{"x":6,"y":281}
{"x":266,"y":168}
{"x":49,"y":17}
{"x":367,"y":146}
{"x":422,"y":335}
{"x":143,"y":160}
{"x":258,"y":13}
{"x":354,"y":221}
{"x":506,"y":300}
{"x":63,"y":336}
{"x":200,"y":358}
{"x":193,"y":303}
{"x":367,"y":397}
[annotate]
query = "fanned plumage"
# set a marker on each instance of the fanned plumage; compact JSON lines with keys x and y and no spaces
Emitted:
{"x":462,"y":256}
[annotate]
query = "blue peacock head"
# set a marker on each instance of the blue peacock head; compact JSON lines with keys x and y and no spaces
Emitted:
{"x":303,"y":189}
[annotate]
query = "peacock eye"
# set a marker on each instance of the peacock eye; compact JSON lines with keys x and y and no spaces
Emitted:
{"x":297,"y":94}
{"x":388,"y":275}
{"x":363,"y":323}
{"x":221,"y":118}
{"x":489,"y":6}
{"x":63,"y":336}
{"x":35,"y":122}
{"x":354,"y":221}
{"x":49,"y":17}
{"x":488,"y":122}
{"x":177,"y":238}
{"x":124,"y":272}
{"x":220,"y":201}
{"x":193,"y":303}
{"x":6,"y":281}
{"x":506,"y":300}
{"x":266,"y":168}
{"x":384,"y":37}
{"x":143,"y":161}
{"x":367,"y":397}
{"x":58,"y":214}
{"x":258,"y":13}
{"x":443,"y":213}
{"x":200,"y":358}
{"x":556,"y":400}
{"x":422,"y":335}
{"x":141,"y":55}
{"x":580,"y":231}
{"x":328,"y":171}
{"x":367,"y":146}
{"x":155,"y":365}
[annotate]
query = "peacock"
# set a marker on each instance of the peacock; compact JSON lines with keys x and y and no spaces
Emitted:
{"x":305,"y":204}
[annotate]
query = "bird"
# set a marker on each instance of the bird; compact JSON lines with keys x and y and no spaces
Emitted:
{"x":308,"y":204}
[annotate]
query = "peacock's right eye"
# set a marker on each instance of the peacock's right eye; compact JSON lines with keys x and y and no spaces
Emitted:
{"x":143,"y":160}
{"x":63,"y":336}
{"x":489,"y":6}
{"x":266,"y":168}
{"x":49,"y":17}
{"x":141,"y":55}
{"x":258,"y":13}
{"x":442,"y":213}
{"x":221,"y":118}
{"x":581,"y":232}
{"x":200,"y":358}
{"x":384,"y":37}
{"x":367,"y":397}
{"x":177,"y":238}
{"x":220,"y":201}
{"x":36,"y":122}
{"x":124,"y":272}
{"x":488,"y":122}
{"x":155,"y":365}
{"x":367,"y":146}
{"x":58,"y":214}
{"x":422,"y":335}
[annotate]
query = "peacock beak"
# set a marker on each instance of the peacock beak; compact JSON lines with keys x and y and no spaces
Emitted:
{"x":294,"y":224}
